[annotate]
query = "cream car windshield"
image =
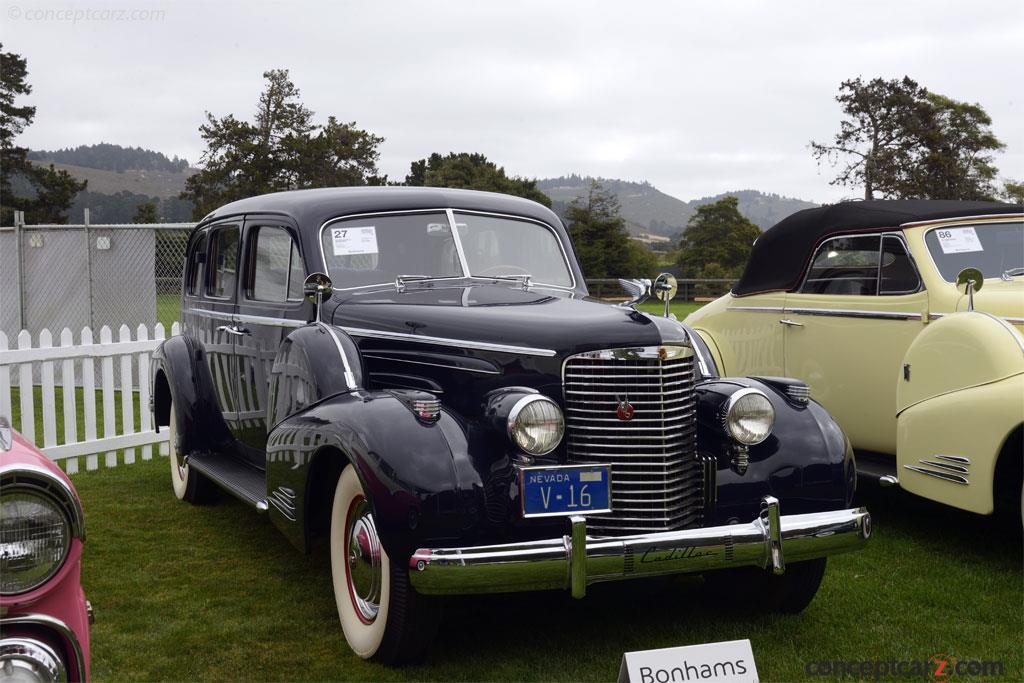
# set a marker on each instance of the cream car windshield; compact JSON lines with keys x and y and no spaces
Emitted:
{"x":993,"y":248}
{"x":377,"y":250}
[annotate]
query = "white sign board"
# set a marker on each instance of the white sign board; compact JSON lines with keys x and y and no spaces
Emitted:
{"x":354,"y":241}
{"x":958,"y":240}
{"x":731,"y":661}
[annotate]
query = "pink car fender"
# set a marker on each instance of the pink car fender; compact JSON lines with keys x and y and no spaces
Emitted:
{"x":51,"y":620}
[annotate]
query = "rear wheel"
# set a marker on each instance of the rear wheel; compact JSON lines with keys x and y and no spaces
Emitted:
{"x":382,"y":616}
{"x":188,"y":484}
{"x":789,"y":593}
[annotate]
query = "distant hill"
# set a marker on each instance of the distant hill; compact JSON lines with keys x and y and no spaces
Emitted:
{"x":121,"y":178}
{"x":649,"y":211}
{"x":108,"y":157}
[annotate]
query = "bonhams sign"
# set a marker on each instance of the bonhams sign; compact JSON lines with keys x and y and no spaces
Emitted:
{"x":732,"y":661}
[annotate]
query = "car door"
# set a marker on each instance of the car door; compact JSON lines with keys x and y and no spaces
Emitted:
{"x":848,"y":327}
{"x":270,"y":304}
{"x":215,"y":322}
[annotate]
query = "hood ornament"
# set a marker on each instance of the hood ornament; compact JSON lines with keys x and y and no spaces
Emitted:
{"x":639,"y":291}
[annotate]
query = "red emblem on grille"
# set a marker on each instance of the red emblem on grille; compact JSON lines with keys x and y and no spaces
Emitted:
{"x":625,"y":410}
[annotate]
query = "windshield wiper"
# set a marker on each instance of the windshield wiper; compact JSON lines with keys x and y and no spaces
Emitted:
{"x":1011,"y":273}
{"x":525,"y":278}
{"x":401,"y":280}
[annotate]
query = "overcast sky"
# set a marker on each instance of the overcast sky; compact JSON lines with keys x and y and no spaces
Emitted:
{"x":696,"y":97}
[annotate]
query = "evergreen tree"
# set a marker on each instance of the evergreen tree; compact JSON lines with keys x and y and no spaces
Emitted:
{"x":42,"y":192}
{"x":471,"y":172}
{"x":603,"y":245}
{"x":717,"y":241}
{"x":282,"y":149}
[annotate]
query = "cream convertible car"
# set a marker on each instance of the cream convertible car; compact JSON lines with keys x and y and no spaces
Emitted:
{"x":905,"y":318}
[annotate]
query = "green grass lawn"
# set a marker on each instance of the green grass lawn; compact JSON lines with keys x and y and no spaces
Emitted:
{"x":216,"y":593}
{"x":680,"y":308}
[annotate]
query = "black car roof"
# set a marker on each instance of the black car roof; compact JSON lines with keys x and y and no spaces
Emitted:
{"x":311,"y":208}
{"x":779,"y":255}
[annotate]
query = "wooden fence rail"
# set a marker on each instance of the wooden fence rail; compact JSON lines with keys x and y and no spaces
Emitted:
{"x":122,"y":390}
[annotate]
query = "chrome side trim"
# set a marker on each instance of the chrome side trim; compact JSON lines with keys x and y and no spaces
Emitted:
{"x":434,"y":365}
{"x":1011,"y":320}
{"x":267,"y":320}
{"x":769,"y":541}
{"x":350,"y":378}
{"x":34,"y":476}
{"x":958,"y":459}
{"x":444,"y":341}
{"x":283,"y":500}
{"x":833,"y":312}
{"x":759,"y":309}
{"x":945,"y":476}
{"x":856,"y":313}
{"x":946,"y":466}
{"x":1017,"y":337}
{"x":48,"y":622}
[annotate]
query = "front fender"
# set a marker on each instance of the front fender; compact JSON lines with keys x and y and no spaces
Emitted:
{"x":414,"y":473}
{"x":806,"y":462}
{"x":960,"y":395}
{"x":180,"y":375}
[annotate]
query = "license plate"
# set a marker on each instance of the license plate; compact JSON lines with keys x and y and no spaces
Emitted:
{"x":565,"y":490}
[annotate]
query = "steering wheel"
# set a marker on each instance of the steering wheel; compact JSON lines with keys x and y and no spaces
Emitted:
{"x":503,"y":266}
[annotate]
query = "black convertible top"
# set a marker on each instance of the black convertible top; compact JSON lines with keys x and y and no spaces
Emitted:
{"x":779,"y":255}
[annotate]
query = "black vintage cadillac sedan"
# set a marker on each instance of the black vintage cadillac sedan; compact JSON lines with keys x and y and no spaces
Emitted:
{"x":419,"y":375}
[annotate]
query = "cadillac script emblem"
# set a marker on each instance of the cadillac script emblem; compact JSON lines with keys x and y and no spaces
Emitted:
{"x":625,"y":410}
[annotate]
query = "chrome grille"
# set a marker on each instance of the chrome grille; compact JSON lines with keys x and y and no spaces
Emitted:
{"x":657,"y":477}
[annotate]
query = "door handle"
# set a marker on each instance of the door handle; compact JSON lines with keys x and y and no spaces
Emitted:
{"x":791,"y":323}
{"x":231,"y":329}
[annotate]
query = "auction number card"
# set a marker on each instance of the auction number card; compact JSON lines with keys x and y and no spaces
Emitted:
{"x":354,"y":241}
{"x":958,"y":240}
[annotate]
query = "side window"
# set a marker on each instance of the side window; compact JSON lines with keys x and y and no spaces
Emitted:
{"x":845,"y":265}
{"x":223,"y":262}
{"x":194,"y":267}
{"x":897,"y":275}
{"x":296,"y":276}
{"x":275,"y":268}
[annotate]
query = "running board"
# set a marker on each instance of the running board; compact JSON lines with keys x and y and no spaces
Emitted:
{"x":876,"y":467}
{"x":244,"y":482}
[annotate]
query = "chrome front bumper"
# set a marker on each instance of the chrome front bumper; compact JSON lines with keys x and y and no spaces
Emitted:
{"x":576,"y":560}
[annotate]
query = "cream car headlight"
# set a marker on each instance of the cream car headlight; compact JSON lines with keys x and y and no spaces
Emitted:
{"x":35,"y":536}
{"x":749,"y":417}
{"x":536,"y":425}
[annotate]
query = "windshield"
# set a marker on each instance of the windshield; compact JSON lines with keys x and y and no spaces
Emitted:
{"x":992,"y":248}
{"x":376,"y":250}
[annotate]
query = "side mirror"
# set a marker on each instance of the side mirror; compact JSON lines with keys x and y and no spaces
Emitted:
{"x":970,"y":281}
{"x":665,"y":288}
{"x":318,"y":289}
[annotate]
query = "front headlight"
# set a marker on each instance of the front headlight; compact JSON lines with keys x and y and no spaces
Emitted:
{"x":35,"y":536}
{"x":535,"y":424}
{"x":749,"y":417}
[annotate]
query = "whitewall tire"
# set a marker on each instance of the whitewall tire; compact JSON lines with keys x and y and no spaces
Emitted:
{"x":382,"y":617}
{"x":188,"y":484}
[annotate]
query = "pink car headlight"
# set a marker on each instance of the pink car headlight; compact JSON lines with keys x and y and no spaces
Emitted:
{"x":35,"y":536}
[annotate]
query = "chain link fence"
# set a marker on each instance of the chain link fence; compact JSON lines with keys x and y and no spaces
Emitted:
{"x":690,"y":289}
{"x":75,"y":276}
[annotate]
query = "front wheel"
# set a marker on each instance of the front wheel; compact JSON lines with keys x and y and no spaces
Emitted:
{"x":382,"y":616}
{"x":188,"y":484}
{"x":789,"y":593}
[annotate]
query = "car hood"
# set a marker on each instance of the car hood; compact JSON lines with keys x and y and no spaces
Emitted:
{"x":1003,"y":299}
{"x":548,"y":320}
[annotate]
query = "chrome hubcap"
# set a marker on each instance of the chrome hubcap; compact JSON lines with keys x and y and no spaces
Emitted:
{"x":364,"y":565}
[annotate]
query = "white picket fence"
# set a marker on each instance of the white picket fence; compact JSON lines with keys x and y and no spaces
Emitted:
{"x":76,"y":365}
